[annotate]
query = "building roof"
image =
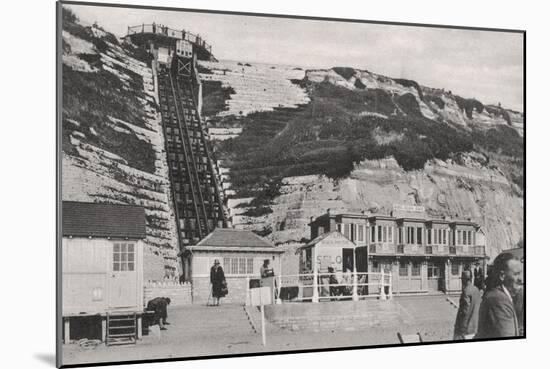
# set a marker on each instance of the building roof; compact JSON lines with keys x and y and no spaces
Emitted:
{"x":320,"y":238}
{"x":102,"y":220}
{"x":231,"y":238}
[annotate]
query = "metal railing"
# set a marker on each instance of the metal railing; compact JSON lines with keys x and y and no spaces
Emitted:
{"x":315,"y":287}
{"x":169,"y":32}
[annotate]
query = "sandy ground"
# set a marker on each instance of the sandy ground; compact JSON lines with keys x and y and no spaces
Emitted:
{"x":197,"y":331}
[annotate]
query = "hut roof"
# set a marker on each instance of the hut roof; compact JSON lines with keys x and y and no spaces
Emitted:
{"x":233,"y":238}
{"x":103,"y":220}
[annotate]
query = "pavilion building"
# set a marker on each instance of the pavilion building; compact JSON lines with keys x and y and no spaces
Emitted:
{"x":424,"y":255}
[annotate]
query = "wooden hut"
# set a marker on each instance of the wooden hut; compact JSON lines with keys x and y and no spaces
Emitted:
{"x":102,"y":270}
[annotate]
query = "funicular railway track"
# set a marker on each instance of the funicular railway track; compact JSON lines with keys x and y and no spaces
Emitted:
{"x":195,"y":189}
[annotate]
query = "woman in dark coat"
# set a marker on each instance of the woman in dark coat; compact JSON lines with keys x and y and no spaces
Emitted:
{"x":217,"y":279}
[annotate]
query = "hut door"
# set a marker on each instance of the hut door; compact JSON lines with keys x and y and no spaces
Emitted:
{"x":123,"y":277}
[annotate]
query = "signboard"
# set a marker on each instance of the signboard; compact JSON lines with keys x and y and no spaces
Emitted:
{"x":408,"y":211}
{"x":260,"y":296}
{"x":329,"y":252}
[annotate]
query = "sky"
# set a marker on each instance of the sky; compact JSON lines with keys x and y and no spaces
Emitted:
{"x":484,"y":65}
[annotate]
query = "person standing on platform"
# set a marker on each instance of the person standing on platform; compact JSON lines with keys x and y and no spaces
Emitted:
{"x":219,"y":284}
{"x":468,"y":310}
{"x":267,"y":276}
{"x":497,"y":314}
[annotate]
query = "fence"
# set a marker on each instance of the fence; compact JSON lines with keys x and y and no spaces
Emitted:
{"x":317,"y":287}
{"x":179,"y":293}
{"x":165,"y":31}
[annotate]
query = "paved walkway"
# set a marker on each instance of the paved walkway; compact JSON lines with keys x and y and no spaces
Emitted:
{"x":224,"y":330}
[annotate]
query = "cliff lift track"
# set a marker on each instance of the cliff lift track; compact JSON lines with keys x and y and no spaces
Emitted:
{"x":178,"y":107}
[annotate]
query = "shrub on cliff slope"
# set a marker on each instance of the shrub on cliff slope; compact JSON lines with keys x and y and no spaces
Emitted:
{"x":91,"y":98}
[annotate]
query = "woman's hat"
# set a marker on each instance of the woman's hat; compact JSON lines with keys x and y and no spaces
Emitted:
{"x":216,"y":261}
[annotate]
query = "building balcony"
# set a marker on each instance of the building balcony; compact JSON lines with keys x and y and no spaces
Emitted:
{"x":467,"y":250}
{"x":382,"y":248}
{"x":410,"y":249}
{"x":435,"y":250}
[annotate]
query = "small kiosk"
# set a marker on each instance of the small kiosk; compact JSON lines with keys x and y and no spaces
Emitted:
{"x":329,"y":250}
{"x":102,"y":271}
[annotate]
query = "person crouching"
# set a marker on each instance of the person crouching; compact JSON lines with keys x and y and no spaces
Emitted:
{"x":160,"y":307}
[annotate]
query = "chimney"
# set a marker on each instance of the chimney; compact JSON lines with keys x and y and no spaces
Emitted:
{"x":328,"y":212}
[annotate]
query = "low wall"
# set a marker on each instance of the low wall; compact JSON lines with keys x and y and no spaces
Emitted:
{"x":344,"y":315}
{"x":179,"y":293}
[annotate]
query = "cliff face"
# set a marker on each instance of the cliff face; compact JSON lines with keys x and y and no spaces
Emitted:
{"x":462,"y":191}
{"x":481,"y":179}
{"x":113,"y":149}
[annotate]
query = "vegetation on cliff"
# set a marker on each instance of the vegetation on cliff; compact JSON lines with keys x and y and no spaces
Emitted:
{"x":332,"y":133}
{"x":92,"y":98}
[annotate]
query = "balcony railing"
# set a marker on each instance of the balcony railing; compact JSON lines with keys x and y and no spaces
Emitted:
{"x":382,"y":248}
{"x":440,"y":250}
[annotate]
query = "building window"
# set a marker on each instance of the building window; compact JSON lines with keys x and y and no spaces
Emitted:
{"x":433,"y":271}
{"x":400,"y":232}
{"x":123,"y":257}
{"x":419,"y":235}
{"x":459,"y":240}
{"x":403,"y":269}
{"x":429,"y":237}
{"x":390,"y":234}
{"x":384,"y":234}
{"x":415,"y":270}
{"x":346,"y":230}
{"x":360,"y":236}
{"x":410,"y":235}
{"x":444,"y":236}
{"x":339,"y":227}
{"x":454,"y":268}
{"x":238,"y":266}
{"x":372,"y":237}
{"x":375,"y":267}
{"x":469,"y":237}
{"x":379,"y":233}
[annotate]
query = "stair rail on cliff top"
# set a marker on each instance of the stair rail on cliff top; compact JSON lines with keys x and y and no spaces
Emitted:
{"x":349,"y":286}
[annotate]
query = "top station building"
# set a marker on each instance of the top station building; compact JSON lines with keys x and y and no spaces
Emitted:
{"x":424,"y":255}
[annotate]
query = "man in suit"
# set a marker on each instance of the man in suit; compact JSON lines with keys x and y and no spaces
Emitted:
{"x":468,"y":311}
{"x":497,"y":314}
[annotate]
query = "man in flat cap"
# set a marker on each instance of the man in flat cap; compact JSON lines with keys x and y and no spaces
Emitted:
{"x":468,"y":310}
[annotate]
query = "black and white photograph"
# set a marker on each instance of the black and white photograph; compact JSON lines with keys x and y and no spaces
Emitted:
{"x":235,"y":184}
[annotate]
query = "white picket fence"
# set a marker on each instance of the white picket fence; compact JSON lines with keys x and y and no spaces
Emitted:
{"x":317,"y":287}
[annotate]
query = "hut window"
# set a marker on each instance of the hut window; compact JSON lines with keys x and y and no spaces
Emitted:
{"x":123,"y":257}
{"x":238,"y":266}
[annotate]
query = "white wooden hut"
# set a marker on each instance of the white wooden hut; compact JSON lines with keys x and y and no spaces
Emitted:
{"x":102,"y":268}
